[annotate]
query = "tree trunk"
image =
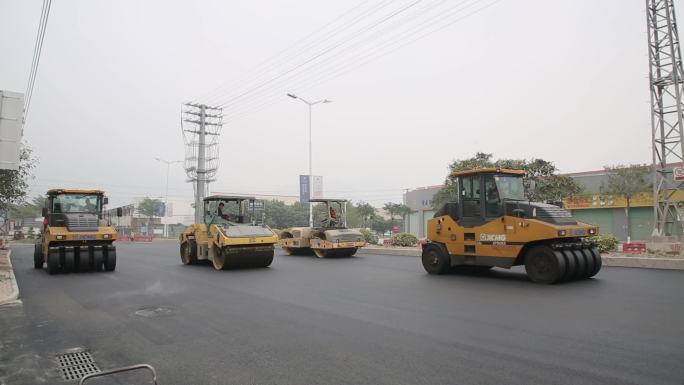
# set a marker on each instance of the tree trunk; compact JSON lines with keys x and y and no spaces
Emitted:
{"x":629,"y":226}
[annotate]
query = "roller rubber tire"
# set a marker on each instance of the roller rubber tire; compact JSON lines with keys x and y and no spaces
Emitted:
{"x":38,"y":256}
{"x":597,"y":261}
{"x":572,"y":265}
{"x":435,"y":261}
{"x":321,"y":253}
{"x":53,"y":262}
{"x":288,"y":250}
{"x":583,"y":264}
{"x":97,"y":259}
{"x":83,"y":259}
{"x":590,"y":261}
{"x":69,"y":260}
{"x":110,"y":259}
{"x":543,"y":266}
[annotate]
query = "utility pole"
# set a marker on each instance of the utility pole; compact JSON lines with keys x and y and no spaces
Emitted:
{"x":201,"y":165}
{"x":201,"y":158}
{"x":166,"y":194}
{"x":310,"y":104}
{"x":667,"y":119}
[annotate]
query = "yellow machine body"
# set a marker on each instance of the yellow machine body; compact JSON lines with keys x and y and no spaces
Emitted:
{"x":492,"y":224}
{"x":331,"y":239}
{"x":502,"y":239}
{"x":74,"y":237}
{"x":228,"y":244}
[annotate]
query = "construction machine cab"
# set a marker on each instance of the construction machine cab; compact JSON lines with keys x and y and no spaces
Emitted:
{"x":227,"y":210}
{"x":61,"y":205}
{"x":333,"y":215}
{"x":482,"y":193}
{"x":233,"y":234}
{"x":74,"y":236}
{"x":492,"y":223}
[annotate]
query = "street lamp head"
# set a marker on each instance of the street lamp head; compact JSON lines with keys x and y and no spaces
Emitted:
{"x":157,"y":159}
{"x":327,"y":101}
{"x":293,"y":96}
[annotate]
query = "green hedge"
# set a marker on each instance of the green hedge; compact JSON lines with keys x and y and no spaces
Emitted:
{"x":605,"y":242}
{"x":369,"y":237}
{"x":404,"y":239}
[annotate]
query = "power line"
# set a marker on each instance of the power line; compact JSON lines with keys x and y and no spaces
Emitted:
{"x":318,"y":55}
{"x":374,"y":55}
{"x":290,"y":51}
{"x":37,"y":49}
{"x":346,"y":44}
{"x":373,"y":50}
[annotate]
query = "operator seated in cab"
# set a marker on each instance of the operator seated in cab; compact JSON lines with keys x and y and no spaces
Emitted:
{"x":333,"y":217}
{"x":228,"y":217}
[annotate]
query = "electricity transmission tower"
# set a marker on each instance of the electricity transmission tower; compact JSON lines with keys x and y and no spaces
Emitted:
{"x":667,"y":119}
{"x":201,"y":126}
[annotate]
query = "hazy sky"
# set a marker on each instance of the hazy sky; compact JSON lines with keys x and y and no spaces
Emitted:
{"x":561,"y":80}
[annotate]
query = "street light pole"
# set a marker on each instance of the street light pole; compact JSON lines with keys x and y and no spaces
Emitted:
{"x":166,"y":195}
{"x":310,"y":104}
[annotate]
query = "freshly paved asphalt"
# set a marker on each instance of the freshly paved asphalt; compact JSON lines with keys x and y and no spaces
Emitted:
{"x":367,"y":320}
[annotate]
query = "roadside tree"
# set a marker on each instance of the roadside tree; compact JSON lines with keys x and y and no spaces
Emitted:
{"x":628,"y":181}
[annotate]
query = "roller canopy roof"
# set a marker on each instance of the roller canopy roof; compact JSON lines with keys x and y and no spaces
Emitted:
{"x":228,"y":198}
{"x":491,"y":170}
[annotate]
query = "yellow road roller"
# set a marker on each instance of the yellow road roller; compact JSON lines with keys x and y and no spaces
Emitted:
{"x":233,"y":234}
{"x":74,"y":236}
{"x":331,"y":238}
{"x":492,"y":223}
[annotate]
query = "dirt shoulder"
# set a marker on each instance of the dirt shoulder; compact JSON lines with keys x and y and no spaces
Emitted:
{"x":9,"y":291}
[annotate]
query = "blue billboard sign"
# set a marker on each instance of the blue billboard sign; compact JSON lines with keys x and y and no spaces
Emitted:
{"x":304,"y":189}
{"x":161,"y":209}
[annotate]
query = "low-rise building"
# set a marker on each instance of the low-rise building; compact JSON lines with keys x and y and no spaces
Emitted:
{"x":419,"y":200}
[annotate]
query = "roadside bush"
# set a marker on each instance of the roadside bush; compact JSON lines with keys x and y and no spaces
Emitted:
{"x":369,"y":237}
{"x":605,"y":242}
{"x":404,"y":239}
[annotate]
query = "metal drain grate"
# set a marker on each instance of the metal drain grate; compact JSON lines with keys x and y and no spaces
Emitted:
{"x":73,"y":366}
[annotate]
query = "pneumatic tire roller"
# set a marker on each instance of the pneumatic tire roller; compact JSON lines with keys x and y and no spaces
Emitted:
{"x":74,"y":237}
{"x":493,"y":224}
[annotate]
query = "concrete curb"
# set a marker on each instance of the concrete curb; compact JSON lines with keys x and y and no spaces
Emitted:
{"x":648,"y":263}
{"x":13,"y":296}
{"x":608,"y":260}
{"x":405,"y":252}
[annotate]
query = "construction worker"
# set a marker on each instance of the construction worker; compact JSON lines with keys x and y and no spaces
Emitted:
{"x":333,"y":217}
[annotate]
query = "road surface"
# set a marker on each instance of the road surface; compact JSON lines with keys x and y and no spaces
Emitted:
{"x":371,"y":319}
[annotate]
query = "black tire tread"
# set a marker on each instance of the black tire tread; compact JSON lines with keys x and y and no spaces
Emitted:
{"x":598,"y":262}
{"x":38,"y":256}
{"x":573,"y":265}
{"x":69,"y":260}
{"x":444,"y":265}
{"x":53,"y":261}
{"x":583,"y":264}
{"x":110,"y":259}
{"x":542,"y":251}
{"x":591,"y":262}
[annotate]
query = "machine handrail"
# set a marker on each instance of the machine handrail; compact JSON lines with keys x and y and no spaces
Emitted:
{"x":120,"y":370}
